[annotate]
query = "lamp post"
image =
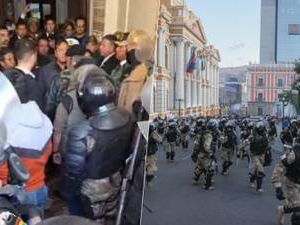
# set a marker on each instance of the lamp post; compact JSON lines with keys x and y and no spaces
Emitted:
{"x":285,"y":101}
{"x":179,"y":101}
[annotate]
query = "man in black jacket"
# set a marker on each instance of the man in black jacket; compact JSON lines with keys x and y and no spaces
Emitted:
{"x":22,"y":78}
{"x":47,"y":73}
{"x":107,"y":51}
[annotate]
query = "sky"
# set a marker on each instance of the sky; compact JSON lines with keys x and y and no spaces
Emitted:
{"x":233,"y":27}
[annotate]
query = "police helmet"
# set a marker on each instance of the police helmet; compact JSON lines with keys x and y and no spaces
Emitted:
{"x":200,"y":122}
{"x":172,"y":125}
{"x":260,"y":127}
{"x":94,"y":92}
{"x":212,"y":124}
{"x":294,"y":121}
{"x":295,"y":218}
{"x":250,"y":125}
{"x":152,"y":127}
{"x":230,"y":124}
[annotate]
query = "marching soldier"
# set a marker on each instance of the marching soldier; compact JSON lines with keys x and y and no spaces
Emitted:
{"x":289,"y":164}
{"x":258,"y":147}
{"x":171,"y":137}
{"x":229,"y":143}
{"x":205,"y":157}
{"x":153,"y":140}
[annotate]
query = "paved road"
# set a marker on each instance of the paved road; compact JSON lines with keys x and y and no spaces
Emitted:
{"x":173,"y":199}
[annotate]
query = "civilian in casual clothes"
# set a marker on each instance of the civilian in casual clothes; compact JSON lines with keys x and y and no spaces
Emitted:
{"x":80,"y":31}
{"x":33,"y":28}
{"x":21,"y":76}
{"x":47,"y":73}
{"x":7,"y":59}
{"x":4,"y":37}
{"x":21,"y":32}
{"x":93,"y":47}
{"x":43,"y":57}
{"x":50,"y":32}
{"x":139,"y":53}
{"x":68,"y":29}
{"x":107,"y":51}
{"x":29,"y":134}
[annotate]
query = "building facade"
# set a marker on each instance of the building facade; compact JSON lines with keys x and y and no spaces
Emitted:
{"x":280,"y":31}
{"x":265,"y":83}
{"x":180,"y":32}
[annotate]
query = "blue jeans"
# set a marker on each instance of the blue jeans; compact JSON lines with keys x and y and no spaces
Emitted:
{"x":38,"y":199}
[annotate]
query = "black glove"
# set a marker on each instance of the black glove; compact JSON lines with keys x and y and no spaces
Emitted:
{"x":279,"y":194}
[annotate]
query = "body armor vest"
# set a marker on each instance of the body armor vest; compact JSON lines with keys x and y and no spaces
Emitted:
{"x":259,"y":144}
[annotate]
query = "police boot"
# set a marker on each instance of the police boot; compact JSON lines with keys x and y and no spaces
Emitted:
{"x":224,"y":168}
{"x":252,"y":179}
{"x":208,"y":181}
{"x":168,"y":155}
{"x":172,"y":156}
{"x":259,"y":181}
{"x":149,"y":178}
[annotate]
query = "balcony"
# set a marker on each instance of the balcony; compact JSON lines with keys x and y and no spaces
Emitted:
{"x":260,"y":99}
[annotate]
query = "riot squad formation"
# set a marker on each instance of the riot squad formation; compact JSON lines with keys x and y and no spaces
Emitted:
{"x":218,"y":143}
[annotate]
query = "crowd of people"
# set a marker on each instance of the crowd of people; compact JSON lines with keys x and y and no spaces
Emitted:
{"x":88,"y":92}
{"x":221,"y":141}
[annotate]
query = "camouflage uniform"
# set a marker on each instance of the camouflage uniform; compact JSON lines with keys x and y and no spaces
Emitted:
{"x":151,"y":167}
{"x":292,"y":188}
{"x":205,"y":159}
{"x":229,"y":142}
{"x":171,"y":136}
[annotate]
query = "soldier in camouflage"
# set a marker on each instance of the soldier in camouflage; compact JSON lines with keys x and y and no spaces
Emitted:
{"x":205,"y":156}
{"x":289,"y":164}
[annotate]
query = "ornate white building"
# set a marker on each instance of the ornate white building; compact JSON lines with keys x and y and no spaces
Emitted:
{"x":180,"y":31}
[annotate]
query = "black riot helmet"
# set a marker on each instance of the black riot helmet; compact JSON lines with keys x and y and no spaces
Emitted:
{"x":260,"y":127}
{"x":212,"y":124}
{"x":200,"y":122}
{"x":152,"y":127}
{"x":94,"y":93}
{"x":295,"y":218}
{"x":229,"y":126}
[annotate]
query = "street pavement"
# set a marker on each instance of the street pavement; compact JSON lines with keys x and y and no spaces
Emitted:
{"x":174,"y":200}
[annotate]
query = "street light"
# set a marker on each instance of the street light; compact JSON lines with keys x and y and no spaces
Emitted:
{"x":285,"y":101}
{"x":179,"y":101}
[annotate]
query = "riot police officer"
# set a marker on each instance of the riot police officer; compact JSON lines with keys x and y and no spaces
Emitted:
{"x":153,"y":140}
{"x":289,"y":164}
{"x":229,"y":143}
{"x":171,"y":137}
{"x":258,"y":147}
{"x":245,"y":134}
{"x":184,"y":131}
{"x":205,"y":159}
{"x":96,"y":151}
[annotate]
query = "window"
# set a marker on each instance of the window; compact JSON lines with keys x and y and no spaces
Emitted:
{"x":294,"y":29}
{"x":280,"y":83}
{"x":260,"y":97}
{"x":260,"y":82}
{"x":180,"y":12}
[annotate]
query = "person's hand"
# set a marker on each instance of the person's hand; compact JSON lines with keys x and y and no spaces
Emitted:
{"x":56,"y":158}
{"x":26,"y":9}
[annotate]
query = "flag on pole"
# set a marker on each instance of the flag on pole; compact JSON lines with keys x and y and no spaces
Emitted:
{"x":203,"y":60}
{"x":193,"y":62}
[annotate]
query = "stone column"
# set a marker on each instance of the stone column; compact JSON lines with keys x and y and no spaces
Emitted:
{"x":179,"y":92}
{"x":161,"y":47}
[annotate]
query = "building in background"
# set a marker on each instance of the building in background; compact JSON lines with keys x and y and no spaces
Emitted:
{"x":265,"y":83}
{"x":280,"y":31}
{"x":180,"y":34}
